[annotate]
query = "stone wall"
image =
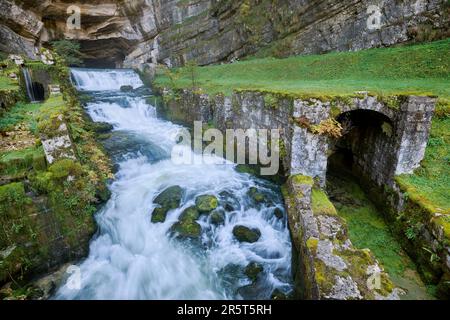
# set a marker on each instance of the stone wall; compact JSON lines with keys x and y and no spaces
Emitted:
{"x":379,"y":155}
{"x":326,"y":265}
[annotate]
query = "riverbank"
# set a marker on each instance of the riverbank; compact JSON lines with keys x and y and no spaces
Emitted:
{"x":47,"y":202}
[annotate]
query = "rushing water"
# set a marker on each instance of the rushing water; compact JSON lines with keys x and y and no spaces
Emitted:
{"x":132,"y":258}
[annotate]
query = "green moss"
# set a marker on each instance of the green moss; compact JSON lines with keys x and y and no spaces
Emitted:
{"x":206,"y":203}
{"x":300,"y":179}
{"x":321,"y":204}
{"x":312,"y":244}
{"x":18,"y":163}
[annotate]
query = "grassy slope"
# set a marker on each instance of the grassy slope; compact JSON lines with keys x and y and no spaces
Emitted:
{"x":421,"y":69}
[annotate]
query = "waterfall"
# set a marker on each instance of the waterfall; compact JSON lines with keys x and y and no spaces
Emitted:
{"x":29,"y":84}
{"x":132,"y":258}
{"x":105,"y":80}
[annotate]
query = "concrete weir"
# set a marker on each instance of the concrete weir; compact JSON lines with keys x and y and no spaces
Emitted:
{"x":384,"y":136}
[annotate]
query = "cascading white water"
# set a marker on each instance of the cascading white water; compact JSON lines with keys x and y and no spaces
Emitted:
{"x":100,"y":80}
{"x":132,"y":258}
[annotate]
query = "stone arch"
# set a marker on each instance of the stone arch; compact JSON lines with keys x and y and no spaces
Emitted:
{"x":370,"y":103}
{"x":367,"y":146}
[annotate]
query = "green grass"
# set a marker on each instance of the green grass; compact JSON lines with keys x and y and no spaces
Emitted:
{"x":7,"y":84}
{"x":418,"y":69}
{"x":431,"y":183}
{"x":17,"y":163}
{"x":27,"y":113}
{"x":368,"y":229}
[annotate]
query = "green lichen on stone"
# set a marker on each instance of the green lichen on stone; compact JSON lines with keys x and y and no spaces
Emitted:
{"x":206,"y":203}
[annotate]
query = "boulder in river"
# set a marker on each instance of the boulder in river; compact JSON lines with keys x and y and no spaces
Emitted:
{"x":206,"y":203}
{"x":257,"y":196}
{"x":167,"y":200}
{"x":187,"y":227}
{"x":245,"y":234}
{"x":217,"y":218}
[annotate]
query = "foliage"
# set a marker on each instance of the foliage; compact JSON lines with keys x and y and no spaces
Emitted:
{"x":69,"y":50}
{"x":328,"y":127}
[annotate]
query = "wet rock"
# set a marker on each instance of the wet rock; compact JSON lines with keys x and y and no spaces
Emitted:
{"x":278,"y":213}
{"x":253,"y":270}
{"x":167,"y":200}
{"x":101,"y":127}
{"x":126,"y":88}
{"x":217,"y":218}
{"x":190,"y":213}
{"x":277,"y":294}
{"x":257,"y":196}
{"x":187,"y":227}
{"x":229,"y":207}
{"x":245,"y":234}
{"x":206,"y":203}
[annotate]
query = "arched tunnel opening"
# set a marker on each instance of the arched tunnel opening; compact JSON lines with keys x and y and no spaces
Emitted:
{"x":359,"y":158}
{"x":360,"y":150}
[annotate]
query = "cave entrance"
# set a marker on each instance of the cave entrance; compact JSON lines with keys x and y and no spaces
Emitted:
{"x":365,"y":148}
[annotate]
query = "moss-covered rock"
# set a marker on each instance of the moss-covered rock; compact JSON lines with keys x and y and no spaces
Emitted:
{"x":206,"y":203}
{"x":253,"y":270}
{"x":167,"y":200}
{"x":187,"y":227}
{"x":257,"y":196}
{"x":245,"y":234}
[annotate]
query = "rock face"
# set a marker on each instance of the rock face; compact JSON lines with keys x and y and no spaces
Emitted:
{"x":136,"y":33}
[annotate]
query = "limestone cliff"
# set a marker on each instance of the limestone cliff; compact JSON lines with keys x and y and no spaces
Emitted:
{"x":134,"y":33}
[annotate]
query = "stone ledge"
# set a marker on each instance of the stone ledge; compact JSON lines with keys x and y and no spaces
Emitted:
{"x":329,"y":265}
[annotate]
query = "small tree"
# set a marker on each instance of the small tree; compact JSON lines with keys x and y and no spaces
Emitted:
{"x":69,"y":50}
{"x":191,"y":68}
